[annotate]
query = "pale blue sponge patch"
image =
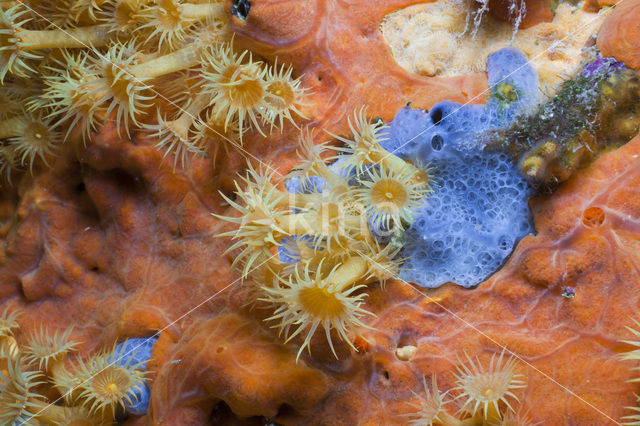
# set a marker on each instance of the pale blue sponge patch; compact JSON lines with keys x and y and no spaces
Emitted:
{"x":136,"y":351}
{"x":479,"y":208}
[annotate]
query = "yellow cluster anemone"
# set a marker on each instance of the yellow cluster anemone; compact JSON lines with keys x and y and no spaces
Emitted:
{"x":29,"y":137}
{"x":165,"y":68}
{"x":104,"y":385}
{"x":634,"y":356}
{"x":390,"y":197}
{"x":311,"y":253}
{"x":42,"y":348}
{"x":484,"y":390}
{"x":430,"y":407}
{"x":92,"y":388}
{"x":17,"y":394}
{"x":309,"y":300}
{"x":484,"y":394}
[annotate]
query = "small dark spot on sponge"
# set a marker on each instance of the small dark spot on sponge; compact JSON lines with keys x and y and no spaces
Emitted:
{"x":240,"y":9}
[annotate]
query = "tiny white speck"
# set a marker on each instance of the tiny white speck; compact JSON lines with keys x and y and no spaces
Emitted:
{"x":87,"y":228}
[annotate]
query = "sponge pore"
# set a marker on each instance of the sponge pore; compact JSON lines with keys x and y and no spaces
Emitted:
{"x":479,"y":209}
{"x":472,"y":221}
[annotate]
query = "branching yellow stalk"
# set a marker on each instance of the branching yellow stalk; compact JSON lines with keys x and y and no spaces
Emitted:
{"x":179,"y":60}
{"x":94,"y":36}
{"x":197,"y":12}
{"x":173,"y":136}
{"x":328,"y":252}
{"x":349,"y":273}
{"x":330,"y":221}
{"x":46,"y":412}
{"x":17,"y":44}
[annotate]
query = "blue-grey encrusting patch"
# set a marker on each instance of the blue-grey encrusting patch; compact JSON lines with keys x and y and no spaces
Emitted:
{"x":136,"y":351}
{"x":479,"y":208}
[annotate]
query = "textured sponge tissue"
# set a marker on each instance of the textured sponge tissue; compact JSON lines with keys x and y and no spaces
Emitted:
{"x":479,"y":208}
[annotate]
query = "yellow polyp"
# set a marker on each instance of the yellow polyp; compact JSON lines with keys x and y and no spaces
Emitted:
{"x":608,"y":91}
{"x":173,"y":136}
{"x":483,"y":389}
{"x":283,"y":95}
{"x":328,"y":254}
{"x":105,"y":386}
{"x":321,"y":303}
{"x":628,"y":126}
{"x":236,"y":85}
{"x":168,"y":15}
{"x":532,"y":166}
{"x":389,"y":193}
{"x":244,"y":89}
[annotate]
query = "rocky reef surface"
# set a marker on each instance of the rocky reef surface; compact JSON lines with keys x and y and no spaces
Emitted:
{"x":115,"y":241}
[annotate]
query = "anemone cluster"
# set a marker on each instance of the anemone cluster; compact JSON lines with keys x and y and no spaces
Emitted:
{"x":39,"y":380}
{"x":479,"y":207}
{"x":310,"y":253}
{"x":484,"y":394}
{"x":593,"y":112}
{"x":166,"y":68}
{"x":634,"y":356}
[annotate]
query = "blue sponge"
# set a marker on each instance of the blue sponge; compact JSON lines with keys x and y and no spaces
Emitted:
{"x":479,"y":209}
{"x":131,"y":352}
